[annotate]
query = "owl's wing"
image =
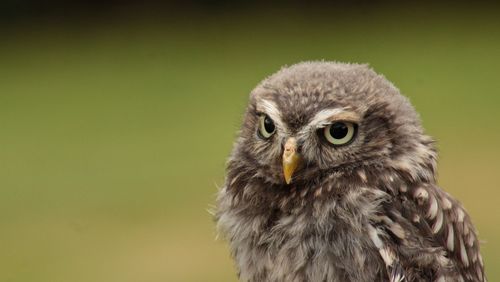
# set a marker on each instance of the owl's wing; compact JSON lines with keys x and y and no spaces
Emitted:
{"x":428,"y":234}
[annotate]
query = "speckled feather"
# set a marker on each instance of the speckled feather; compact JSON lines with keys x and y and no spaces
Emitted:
{"x":366,"y":211}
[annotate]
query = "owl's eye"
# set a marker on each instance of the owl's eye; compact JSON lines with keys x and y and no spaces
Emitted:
{"x":266,"y":126}
{"x":340,"y":133}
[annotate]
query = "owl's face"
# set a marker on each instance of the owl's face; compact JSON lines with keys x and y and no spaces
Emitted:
{"x":317,"y":118}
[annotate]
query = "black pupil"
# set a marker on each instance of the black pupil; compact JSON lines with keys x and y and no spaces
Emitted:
{"x":268,"y":125}
{"x":339,"y":130}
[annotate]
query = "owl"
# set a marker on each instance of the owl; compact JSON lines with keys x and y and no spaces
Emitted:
{"x":332,"y":178}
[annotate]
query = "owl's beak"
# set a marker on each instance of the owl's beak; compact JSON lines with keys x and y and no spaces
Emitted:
{"x":291,"y":159}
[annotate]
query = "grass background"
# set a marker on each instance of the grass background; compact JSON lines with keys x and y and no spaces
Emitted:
{"x":114,"y":132}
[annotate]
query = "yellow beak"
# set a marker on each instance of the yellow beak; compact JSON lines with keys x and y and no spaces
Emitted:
{"x":291,"y":159}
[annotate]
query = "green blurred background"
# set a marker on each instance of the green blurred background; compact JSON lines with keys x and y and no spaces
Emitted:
{"x":116,"y":118}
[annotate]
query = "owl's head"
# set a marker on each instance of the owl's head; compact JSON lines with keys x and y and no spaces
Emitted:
{"x":317,"y":118}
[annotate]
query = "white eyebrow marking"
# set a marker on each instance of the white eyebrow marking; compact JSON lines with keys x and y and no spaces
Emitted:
{"x":271,"y":109}
{"x":321,"y":117}
{"x":325,"y":117}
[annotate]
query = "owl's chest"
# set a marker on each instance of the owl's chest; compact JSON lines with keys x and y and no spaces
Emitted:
{"x":303,"y":247}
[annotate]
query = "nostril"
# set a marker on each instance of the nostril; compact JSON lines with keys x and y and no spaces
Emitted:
{"x":290,"y":149}
{"x":290,"y":145}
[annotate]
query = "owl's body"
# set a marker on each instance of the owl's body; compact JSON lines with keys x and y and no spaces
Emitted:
{"x":333,"y":179}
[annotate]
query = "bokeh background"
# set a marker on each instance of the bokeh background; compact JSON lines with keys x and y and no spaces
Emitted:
{"x":116,"y":118}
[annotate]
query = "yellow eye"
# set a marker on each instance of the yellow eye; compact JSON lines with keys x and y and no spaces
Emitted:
{"x":340,"y":133}
{"x":266,"y":126}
